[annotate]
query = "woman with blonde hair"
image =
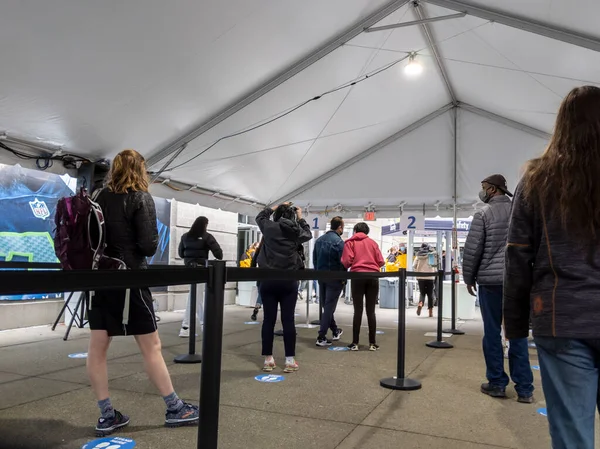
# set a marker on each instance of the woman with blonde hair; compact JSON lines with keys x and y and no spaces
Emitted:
{"x":552,"y":265}
{"x":131,"y":236}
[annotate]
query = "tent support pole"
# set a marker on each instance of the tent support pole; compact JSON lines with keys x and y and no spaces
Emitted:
{"x":521,"y":23}
{"x":364,"y":154}
{"x":389,"y":8}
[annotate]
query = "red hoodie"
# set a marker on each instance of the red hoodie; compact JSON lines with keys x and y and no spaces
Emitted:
{"x":362,"y":254}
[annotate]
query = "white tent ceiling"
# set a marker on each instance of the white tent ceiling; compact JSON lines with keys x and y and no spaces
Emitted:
{"x":97,"y":77}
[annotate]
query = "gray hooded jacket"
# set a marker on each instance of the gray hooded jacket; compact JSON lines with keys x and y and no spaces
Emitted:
{"x":483,"y":260}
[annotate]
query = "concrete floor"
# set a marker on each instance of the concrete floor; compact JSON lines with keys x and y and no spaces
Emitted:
{"x":334,"y":401}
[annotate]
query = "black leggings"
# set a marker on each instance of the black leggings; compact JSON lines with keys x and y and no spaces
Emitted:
{"x":426,"y":289}
{"x":285,"y":295}
{"x":368,"y":289}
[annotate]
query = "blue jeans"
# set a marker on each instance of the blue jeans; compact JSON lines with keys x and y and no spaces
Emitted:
{"x":490,"y":300}
{"x":330,"y":295}
{"x":570,"y":379}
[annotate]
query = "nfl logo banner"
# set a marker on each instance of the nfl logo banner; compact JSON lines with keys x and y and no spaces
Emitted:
{"x":39,"y":209}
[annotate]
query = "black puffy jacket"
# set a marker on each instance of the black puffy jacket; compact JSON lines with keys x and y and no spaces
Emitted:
{"x":282,"y":242}
{"x":196,"y":250}
{"x":131,"y":228}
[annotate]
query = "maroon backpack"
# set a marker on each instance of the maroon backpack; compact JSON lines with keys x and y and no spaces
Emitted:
{"x":80,"y":237}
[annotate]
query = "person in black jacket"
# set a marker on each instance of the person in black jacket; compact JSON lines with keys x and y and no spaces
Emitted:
{"x":194,"y":249}
{"x":281,"y":249}
{"x":552,"y":265}
{"x":131,"y":235}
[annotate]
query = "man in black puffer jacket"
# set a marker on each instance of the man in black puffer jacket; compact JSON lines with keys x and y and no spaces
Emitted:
{"x":483,"y":265}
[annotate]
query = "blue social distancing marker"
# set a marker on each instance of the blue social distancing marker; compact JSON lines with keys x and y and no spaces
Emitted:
{"x":110,"y":443}
{"x":542,"y":411}
{"x":380,"y":332}
{"x":269,"y":378}
{"x":337,"y":348}
{"x":531,"y":344}
{"x":536,"y":367}
{"x":78,"y":355}
{"x":251,"y":322}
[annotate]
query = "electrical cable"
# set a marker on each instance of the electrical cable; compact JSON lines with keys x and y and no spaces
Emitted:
{"x":316,"y":98}
{"x":44,"y":162}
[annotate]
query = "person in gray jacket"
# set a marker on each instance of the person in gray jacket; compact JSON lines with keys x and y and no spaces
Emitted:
{"x":483,"y":266}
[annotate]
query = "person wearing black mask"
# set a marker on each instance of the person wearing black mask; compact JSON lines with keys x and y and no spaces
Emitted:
{"x":281,"y":249}
{"x":483,"y":266}
{"x":194,"y":249}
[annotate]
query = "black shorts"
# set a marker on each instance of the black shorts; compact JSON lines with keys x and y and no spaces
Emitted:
{"x":106,"y":312}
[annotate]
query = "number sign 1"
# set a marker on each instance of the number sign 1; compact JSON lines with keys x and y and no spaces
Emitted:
{"x":317,"y":222}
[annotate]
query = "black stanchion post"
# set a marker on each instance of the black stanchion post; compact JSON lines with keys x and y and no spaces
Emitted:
{"x":191,"y":356}
{"x":212,"y":345}
{"x":453,"y":330}
{"x":399,"y":382}
{"x":439,"y":343}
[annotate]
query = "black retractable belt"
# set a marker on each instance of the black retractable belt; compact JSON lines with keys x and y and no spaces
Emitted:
{"x":453,"y":330}
{"x":439,"y":343}
{"x":399,"y":382}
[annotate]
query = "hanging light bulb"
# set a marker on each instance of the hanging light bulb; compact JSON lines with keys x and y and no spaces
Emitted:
{"x":413,"y":68}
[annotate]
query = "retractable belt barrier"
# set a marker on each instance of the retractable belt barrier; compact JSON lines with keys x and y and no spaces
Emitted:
{"x":22,"y":278}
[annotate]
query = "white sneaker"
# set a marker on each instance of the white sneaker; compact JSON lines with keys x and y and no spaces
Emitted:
{"x":184,"y":333}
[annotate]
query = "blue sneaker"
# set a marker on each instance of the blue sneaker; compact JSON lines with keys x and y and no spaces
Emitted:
{"x":188,"y":415}
{"x":107,"y":426}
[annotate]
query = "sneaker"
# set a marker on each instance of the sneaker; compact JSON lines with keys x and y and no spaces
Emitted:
{"x":337,"y":334}
{"x":323,"y":342}
{"x":353,"y":347}
{"x":186,"y":416}
{"x":493,"y":390}
{"x":107,"y":426}
{"x":269,"y":366}
{"x":526,"y":399}
{"x":291,"y":367}
{"x":373,"y":347}
{"x":254,"y":315}
{"x":419,"y":309}
{"x":184,"y":332}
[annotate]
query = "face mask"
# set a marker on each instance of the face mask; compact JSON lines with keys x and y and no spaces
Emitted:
{"x":484,"y":196}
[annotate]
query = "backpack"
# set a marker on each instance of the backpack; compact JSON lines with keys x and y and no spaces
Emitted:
{"x":80,"y":238}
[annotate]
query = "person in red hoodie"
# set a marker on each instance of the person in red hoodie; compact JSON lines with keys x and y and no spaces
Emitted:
{"x":362,"y":254}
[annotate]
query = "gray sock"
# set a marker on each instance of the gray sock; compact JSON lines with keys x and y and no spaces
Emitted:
{"x":106,"y":409}
{"x":174,"y":404}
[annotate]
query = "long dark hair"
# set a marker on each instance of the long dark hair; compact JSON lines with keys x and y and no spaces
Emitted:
{"x":198,"y":229}
{"x":564,"y":180}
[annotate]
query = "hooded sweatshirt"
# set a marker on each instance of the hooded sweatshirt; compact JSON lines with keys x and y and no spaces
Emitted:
{"x":421,"y":264}
{"x":362,"y":254}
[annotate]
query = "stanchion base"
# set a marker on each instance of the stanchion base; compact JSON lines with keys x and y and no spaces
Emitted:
{"x":404,"y":384}
{"x":439,"y":345}
{"x":188,"y":358}
{"x":316,"y":322}
{"x":278,"y":333}
{"x":453,"y":331}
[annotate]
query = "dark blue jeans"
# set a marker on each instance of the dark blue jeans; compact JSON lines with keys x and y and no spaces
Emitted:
{"x":285,"y":295}
{"x":570,"y":379}
{"x":490,"y":299}
{"x":330,"y":295}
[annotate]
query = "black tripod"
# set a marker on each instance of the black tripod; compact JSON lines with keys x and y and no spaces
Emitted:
{"x":77,"y":314}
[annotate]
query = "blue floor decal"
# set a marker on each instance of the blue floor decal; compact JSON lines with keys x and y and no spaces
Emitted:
{"x":536,"y":367}
{"x":78,"y":355}
{"x":337,"y":348}
{"x":380,"y":332}
{"x":110,"y":443}
{"x":251,"y":322}
{"x":542,"y":411}
{"x":269,"y":378}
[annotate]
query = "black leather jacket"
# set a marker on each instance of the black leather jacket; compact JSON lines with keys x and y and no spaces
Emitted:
{"x":131,"y":228}
{"x":282,"y":240}
{"x":195,"y":250}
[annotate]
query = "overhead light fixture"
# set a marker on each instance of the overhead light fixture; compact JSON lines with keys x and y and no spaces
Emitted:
{"x":413,"y":68}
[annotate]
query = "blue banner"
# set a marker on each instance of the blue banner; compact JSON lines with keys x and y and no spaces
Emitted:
{"x":431,"y":224}
{"x":28,"y":202}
